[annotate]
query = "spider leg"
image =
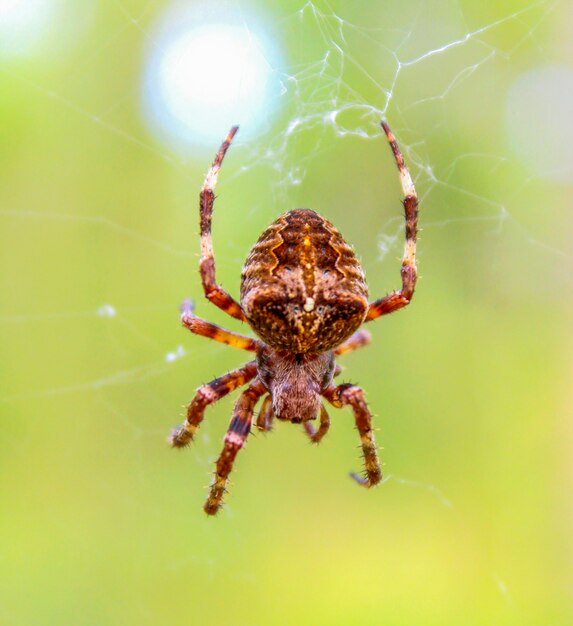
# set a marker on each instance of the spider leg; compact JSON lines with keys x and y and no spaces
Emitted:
{"x":314,"y":434}
{"x":357,"y":340}
{"x":212,"y":331}
{"x":265,"y":416}
{"x":354,"y":396}
{"x":401,"y":298}
{"x":207,"y":394}
{"x":213,"y":291}
{"x":235,"y":438}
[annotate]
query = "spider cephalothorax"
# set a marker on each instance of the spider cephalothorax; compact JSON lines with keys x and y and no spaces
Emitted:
{"x":295,"y":381}
{"x":303,"y":293}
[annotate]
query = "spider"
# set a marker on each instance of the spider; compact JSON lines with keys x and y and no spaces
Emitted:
{"x":304,"y":295}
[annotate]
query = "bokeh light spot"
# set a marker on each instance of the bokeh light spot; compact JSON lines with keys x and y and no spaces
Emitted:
{"x":203,"y":77}
{"x":42,"y":29}
{"x":22,"y":24}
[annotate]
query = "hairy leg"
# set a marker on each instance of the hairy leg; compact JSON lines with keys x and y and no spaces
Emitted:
{"x":357,"y":340}
{"x":401,"y":298}
{"x":265,"y":416}
{"x":212,"y":331}
{"x":207,"y":394}
{"x":235,"y":438}
{"x":213,"y":291}
{"x":352,"y":395}
{"x":314,"y":434}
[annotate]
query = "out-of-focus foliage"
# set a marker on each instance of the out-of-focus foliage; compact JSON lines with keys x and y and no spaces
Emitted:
{"x":471,"y":386}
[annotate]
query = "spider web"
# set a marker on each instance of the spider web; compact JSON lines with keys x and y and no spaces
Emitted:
{"x":430,"y":68}
{"x":317,"y":102}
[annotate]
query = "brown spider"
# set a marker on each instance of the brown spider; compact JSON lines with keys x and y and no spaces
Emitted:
{"x":304,"y":294}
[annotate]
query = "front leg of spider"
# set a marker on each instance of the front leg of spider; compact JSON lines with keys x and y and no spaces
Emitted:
{"x":208,"y":394}
{"x":315,"y":435}
{"x":213,"y":291}
{"x":352,"y":395}
{"x":265,"y":416}
{"x":409,"y":273}
{"x":304,"y":295}
{"x":235,"y":438}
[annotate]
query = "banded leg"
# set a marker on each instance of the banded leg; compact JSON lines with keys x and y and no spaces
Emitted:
{"x":213,"y":291}
{"x":357,"y":340}
{"x":235,"y":438}
{"x":354,"y":396}
{"x":314,"y":434}
{"x":265,"y":416}
{"x":207,"y":394}
{"x":401,"y":298}
{"x":212,"y":331}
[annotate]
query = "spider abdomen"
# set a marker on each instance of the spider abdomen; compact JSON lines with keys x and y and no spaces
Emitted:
{"x":302,"y":287}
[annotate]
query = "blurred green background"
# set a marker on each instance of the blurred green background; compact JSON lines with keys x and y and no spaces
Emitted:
{"x":471,"y":386}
